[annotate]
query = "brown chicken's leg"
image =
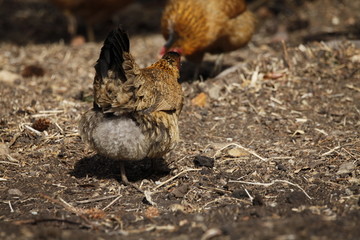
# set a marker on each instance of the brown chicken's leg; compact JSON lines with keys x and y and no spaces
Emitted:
{"x":72,"y":23}
{"x":125,"y":180}
{"x":219,"y":62}
{"x":90,"y":32}
{"x":197,"y":72}
{"x":197,"y":59}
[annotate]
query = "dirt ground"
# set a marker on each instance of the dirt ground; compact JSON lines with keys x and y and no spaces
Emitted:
{"x":269,"y":149}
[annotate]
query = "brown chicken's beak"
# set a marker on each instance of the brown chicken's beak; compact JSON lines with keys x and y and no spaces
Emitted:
{"x":163,"y":51}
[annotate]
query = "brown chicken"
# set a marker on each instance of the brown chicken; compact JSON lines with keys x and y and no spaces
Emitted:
{"x":195,"y":27}
{"x":135,"y":113}
{"x":90,"y":11}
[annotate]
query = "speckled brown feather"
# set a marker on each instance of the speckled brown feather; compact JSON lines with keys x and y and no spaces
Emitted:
{"x":207,"y":26}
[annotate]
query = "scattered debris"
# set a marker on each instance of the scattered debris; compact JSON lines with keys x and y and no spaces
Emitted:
{"x":346,"y":168}
{"x":15,"y":192}
{"x":203,"y":161}
{"x":240,"y":194}
{"x":32,"y":71}
{"x":180,"y":191}
{"x":8,"y":77}
{"x":211,"y":233}
{"x":152,"y":212}
{"x":241,"y":147}
{"x":41,"y":124}
{"x":271,"y":183}
{"x":296,"y":198}
{"x":200,"y":100}
{"x":258,"y":201}
{"x":237,"y":152}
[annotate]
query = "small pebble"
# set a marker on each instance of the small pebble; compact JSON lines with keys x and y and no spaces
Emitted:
{"x":15,"y":192}
{"x":203,"y":161}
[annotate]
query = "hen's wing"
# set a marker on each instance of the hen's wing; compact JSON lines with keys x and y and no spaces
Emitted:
{"x":121,"y":87}
{"x":117,"y":75}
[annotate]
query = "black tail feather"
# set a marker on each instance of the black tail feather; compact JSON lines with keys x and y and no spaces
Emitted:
{"x":111,"y":55}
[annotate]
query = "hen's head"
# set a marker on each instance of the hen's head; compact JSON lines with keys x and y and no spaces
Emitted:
{"x":173,"y":58}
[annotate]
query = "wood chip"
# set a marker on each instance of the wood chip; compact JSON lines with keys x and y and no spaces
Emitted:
{"x":346,"y":168}
{"x":200,"y":100}
{"x":237,"y":152}
{"x":152,"y":212}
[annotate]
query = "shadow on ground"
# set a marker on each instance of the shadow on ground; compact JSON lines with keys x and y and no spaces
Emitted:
{"x":206,"y":70}
{"x":103,"y":168}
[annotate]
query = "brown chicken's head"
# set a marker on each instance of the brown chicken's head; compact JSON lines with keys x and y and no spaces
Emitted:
{"x":173,"y":58}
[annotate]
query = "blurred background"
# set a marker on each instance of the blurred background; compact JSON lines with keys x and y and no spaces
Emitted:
{"x":75,"y":22}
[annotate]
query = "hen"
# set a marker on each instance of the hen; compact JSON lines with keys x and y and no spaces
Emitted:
{"x":135,"y":113}
{"x":195,"y":27}
{"x":90,"y":11}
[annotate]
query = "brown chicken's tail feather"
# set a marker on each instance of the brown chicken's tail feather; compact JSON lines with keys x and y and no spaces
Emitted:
{"x":111,"y":55}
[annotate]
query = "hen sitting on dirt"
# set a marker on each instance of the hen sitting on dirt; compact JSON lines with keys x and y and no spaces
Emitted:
{"x":135,"y":113}
{"x":194,"y":27}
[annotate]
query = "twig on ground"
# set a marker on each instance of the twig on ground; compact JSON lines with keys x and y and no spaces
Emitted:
{"x":14,"y":138}
{"x":331,"y":151}
{"x":254,"y":77}
{"x":281,"y":158}
{"x":58,"y":126}
{"x":225,"y":198}
{"x":36,"y":221}
{"x":112,"y":202}
{"x":351,"y":86}
{"x":67,"y":207}
{"x":181,"y":159}
{"x":51,"y":111}
{"x":247,"y":192}
{"x":97,"y":199}
{"x":177,"y":175}
{"x":149,"y":228}
{"x":286,"y":55}
{"x":11,"y":159}
{"x":352,"y":155}
{"x":47,"y":113}
{"x":218,"y":190}
{"x":240,"y":146}
{"x":11,"y":163}
{"x":211,"y":233}
{"x":321,"y":131}
{"x":148,"y":197}
{"x":271,"y":183}
{"x":33,"y":130}
{"x":10,"y":206}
